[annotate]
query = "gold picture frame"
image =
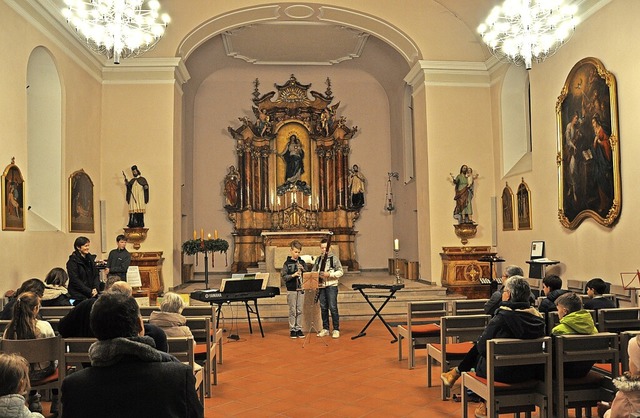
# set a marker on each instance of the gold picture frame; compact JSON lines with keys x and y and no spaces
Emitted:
{"x":81,"y":213}
{"x":588,"y":156}
{"x":523,"y":197}
{"x":13,"y":188}
{"x":508,"y":221}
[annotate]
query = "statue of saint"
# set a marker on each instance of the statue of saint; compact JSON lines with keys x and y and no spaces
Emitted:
{"x":231,"y":186}
{"x":293,"y":156}
{"x":356,"y":187}
{"x":137,"y":198}
{"x":464,"y":188}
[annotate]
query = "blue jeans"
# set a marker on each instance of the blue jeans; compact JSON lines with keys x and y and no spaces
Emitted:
{"x":329,"y":303}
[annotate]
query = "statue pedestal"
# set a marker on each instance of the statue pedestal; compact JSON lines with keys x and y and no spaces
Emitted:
{"x":135,"y":236}
{"x":150,"y":265}
{"x":461,"y":271}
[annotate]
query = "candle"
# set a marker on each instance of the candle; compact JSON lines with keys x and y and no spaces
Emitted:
{"x":195,"y":235}
{"x":208,"y":236}
{"x":278,"y":206}
{"x":201,"y":234}
{"x":215,"y":234}
{"x":396,"y":244}
{"x":310,"y":202}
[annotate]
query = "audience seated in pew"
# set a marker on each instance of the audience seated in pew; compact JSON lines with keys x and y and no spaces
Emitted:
{"x":169,"y":318}
{"x":627,"y":398}
{"x":32,"y":285}
{"x":140,"y":380}
{"x":55,"y":289}
{"x":77,"y":322}
{"x":26,"y":326}
{"x":14,"y":384}
{"x":574,"y":320}
{"x":552,"y":287}
{"x":595,"y":289}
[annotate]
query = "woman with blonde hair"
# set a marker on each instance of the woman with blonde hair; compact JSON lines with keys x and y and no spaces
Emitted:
{"x":170,"y":317}
{"x":14,"y":384}
{"x":26,"y":326}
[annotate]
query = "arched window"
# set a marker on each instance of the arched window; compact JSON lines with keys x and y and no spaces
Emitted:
{"x":44,"y":142}
{"x":516,"y":122}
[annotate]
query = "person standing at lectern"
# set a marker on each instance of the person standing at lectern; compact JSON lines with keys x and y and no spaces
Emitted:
{"x":137,"y":198}
{"x":328,"y":292}
{"x":119,"y":259}
{"x":291,"y":273}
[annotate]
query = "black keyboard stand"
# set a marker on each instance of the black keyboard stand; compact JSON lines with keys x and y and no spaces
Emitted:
{"x":387,"y":298}
{"x":250,"y":311}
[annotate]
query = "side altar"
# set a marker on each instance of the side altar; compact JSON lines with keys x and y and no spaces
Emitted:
{"x":462,"y":271}
{"x":293,"y":178}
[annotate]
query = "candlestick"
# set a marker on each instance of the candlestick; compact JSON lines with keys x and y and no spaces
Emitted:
{"x":215,"y":234}
{"x":195,"y":235}
{"x":201,"y":234}
{"x":396,"y":244}
{"x":208,"y":236}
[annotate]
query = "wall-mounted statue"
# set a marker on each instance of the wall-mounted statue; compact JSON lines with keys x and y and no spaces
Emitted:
{"x":231,"y":187}
{"x":293,"y":156}
{"x":356,"y":187}
{"x":137,"y":197}
{"x":464,"y":189}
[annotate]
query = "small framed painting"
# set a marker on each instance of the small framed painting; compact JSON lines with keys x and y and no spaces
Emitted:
{"x":507,"y":209}
{"x":524,"y":206}
{"x":537,"y":249}
{"x":12,"y":198}
{"x":81,"y":215}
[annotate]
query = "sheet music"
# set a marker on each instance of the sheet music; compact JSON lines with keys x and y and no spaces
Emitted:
{"x":133,"y":276}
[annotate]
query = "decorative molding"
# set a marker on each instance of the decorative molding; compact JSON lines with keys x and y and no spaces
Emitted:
{"x":449,"y":73}
{"x":146,"y":71}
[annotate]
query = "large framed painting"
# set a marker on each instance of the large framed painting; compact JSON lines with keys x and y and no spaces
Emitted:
{"x":81,"y":214}
{"x":523,"y":196}
{"x":588,"y":146}
{"x":507,"y":208}
{"x":12,"y":198}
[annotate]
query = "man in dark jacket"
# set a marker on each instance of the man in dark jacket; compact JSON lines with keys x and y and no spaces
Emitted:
{"x":595,"y":288}
{"x":552,"y":287}
{"x":141,"y":381}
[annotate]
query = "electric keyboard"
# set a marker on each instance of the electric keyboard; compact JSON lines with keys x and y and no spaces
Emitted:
{"x":215,"y":296}
{"x":392,"y":287}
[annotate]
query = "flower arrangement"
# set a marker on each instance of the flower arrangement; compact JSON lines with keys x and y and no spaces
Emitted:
{"x":194,"y":246}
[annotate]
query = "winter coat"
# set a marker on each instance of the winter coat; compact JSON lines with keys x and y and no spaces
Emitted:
{"x":627,"y":399}
{"x":548,"y":304}
{"x":580,"y":322}
{"x":172,"y":323}
{"x":13,"y":406}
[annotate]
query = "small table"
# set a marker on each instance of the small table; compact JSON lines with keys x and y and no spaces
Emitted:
{"x":392,"y":288}
{"x":538,"y":267}
{"x":493,"y":284}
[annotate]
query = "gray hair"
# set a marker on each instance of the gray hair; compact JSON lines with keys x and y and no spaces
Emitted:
{"x":512,"y":270}
{"x":172,"y":302}
{"x":518,"y":289}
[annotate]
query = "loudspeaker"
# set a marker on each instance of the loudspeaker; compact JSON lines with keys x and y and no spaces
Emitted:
{"x":103,"y":225}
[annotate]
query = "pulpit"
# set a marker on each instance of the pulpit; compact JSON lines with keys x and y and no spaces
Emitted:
{"x":462,"y":271}
{"x":150,"y":265}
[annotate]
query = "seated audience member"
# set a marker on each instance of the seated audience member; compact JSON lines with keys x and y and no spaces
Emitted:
{"x":76,"y":322}
{"x":574,"y":320}
{"x":32,"y":285}
{"x":595,"y":289}
{"x":514,"y":319}
{"x":170,"y":318}
{"x":26,"y":326}
{"x":627,"y":398}
{"x":14,"y":384}
{"x":141,"y":381}
{"x":552,"y":287}
{"x":55,"y":289}
{"x":496,"y":297}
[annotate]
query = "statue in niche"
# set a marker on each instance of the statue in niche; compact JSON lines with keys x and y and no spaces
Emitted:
{"x":293,"y":156}
{"x":356,"y":187}
{"x":231,"y":187}
{"x":137,"y":198}
{"x":464,"y":189}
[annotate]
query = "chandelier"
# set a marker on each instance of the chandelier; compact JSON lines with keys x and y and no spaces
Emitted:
{"x":524,"y":31}
{"x":117,"y":28}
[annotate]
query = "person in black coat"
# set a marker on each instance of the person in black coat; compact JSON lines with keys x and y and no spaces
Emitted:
{"x":595,"y":288}
{"x":32,"y":285}
{"x":552,"y":287}
{"x":141,"y":381}
{"x":84,"y":279}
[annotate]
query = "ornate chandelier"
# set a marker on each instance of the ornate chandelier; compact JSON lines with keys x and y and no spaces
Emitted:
{"x":117,"y":28}
{"x":524,"y":31}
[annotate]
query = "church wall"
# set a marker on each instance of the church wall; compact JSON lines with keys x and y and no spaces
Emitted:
{"x":591,"y":250}
{"x":32,"y":254}
{"x":226,"y":95}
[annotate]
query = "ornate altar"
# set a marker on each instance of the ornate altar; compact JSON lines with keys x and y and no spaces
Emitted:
{"x":293,"y":173}
{"x":461,"y":271}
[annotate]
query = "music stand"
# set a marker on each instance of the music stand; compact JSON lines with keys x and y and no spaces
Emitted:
{"x":310,"y":282}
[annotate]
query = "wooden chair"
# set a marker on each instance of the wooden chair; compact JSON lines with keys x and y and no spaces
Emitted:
{"x":205,"y":347}
{"x":618,"y":319}
{"x":576,"y":286}
{"x":210,"y":311}
{"x":625,"y":337}
{"x":51,"y":312}
{"x":457,"y":336}
{"x":422,"y":326}
{"x":145,"y":311}
{"x":585,"y":392}
{"x":4,"y":323}
{"x":74,"y":353}
{"x":511,"y":398}
{"x":535,"y":285}
{"x":39,"y":350}
{"x":624,"y":297}
{"x":553,"y":319}
{"x":468,"y":307}
{"x":182,"y":348}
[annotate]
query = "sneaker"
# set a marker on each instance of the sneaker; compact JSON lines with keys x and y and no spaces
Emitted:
{"x":335,"y":334}
{"x":293,"y":334}
{"x":450,"y":377}
{"x":323,"y":333}
{"x":481,"y":410}
{"x":34,"y":403}
{"x":300,"y":334}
